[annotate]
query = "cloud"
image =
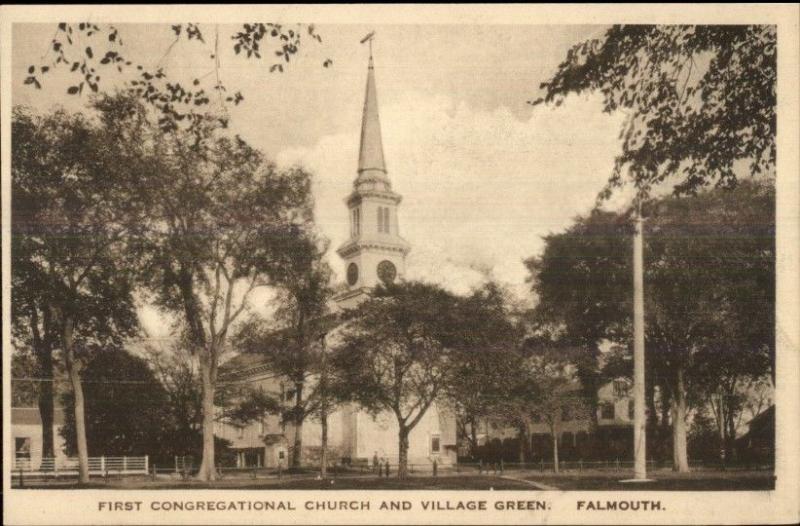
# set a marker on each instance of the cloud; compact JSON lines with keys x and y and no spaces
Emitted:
{"x":480,"y":187}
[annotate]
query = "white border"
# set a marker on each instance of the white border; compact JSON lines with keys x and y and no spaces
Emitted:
{"x":779,"y":506}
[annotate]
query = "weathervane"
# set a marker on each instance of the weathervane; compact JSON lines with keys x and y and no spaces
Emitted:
{"x":369,"y":38}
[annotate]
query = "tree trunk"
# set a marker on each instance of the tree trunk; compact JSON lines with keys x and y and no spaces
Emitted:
{"x":473,"y":433}
{"x":523,"y":443}
{"x":298,"y":419}
{"x":652,"y":414}
{"x":73,"y":370}
{"x":680,"y":461}
{"x":324,"y":443}
{"x":721,"y":429}
{"x":402,"y":464}
{"x":43,"y":349}
{"x":555,"y":451}
{"x":731,"y":445}
{"x":207,"y":466}
{"x":46,"y":413}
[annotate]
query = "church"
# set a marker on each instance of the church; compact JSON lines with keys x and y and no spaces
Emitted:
{"x":374,"y":253}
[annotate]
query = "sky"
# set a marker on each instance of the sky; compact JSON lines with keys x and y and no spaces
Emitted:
{"x":483,"y":174}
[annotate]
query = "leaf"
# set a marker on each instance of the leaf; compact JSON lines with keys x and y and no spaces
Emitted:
{"x":89,"y":52}
{"x":72,"y":90}
{"x":31,"y":69}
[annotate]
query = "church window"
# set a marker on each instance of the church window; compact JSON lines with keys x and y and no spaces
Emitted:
{"x":386,"y":219}
{"x":240,"y":431}
{"x":620,"y":388}
{"x":380,"y":219}
{"x":356,"y":227}
{"x":435,"y":444}
{"x":607,"y":411}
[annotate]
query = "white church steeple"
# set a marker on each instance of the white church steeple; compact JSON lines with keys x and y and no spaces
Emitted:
{"x":374,"y":253}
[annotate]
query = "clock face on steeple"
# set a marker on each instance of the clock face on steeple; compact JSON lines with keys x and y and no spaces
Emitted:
{"x":352,"y":274}
{"x":387,"y":272}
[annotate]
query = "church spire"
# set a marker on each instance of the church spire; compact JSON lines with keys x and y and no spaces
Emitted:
{"x":371,"y":165}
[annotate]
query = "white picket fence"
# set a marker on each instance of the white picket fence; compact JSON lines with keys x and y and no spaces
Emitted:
{"x":97,"y":466}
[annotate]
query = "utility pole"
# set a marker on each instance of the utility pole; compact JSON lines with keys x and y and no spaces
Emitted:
{"x":639,"y":420}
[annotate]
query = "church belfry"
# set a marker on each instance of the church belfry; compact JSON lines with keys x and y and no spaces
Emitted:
{"x":375,"y":253}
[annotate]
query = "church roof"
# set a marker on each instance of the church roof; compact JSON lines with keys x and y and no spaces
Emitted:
{"x":371,"y":165}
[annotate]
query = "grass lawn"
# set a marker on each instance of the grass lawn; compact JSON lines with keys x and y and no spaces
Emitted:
{"x":663,"y":480}
{"x":467,"y":482}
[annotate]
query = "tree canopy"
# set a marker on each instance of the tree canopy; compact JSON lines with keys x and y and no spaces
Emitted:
{"x":709,"y":278}
{"x":395,"y":353}
{"x":699,"y":100}
{"x":91,"y":52}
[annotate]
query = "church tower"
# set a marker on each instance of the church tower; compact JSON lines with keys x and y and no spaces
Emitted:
{"x":374,"y":253}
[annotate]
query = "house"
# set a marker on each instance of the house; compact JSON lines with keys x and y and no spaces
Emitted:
{"x":758,"y":443}
{"x":26,"y":433}
{"x":374,"y":253}
{"x":611,"y":438}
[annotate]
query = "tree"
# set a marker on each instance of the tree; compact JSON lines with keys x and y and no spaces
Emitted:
{"x":25,"y":391}
{"x":177,"y":372}
{"x":699,"y":100}
{"x":712,"y":325}
{"x":126,"y":407}
{"x":291,"y":347}
{"x":395,"y":353}
{"x":73,"y":215}
{"x":222,"y":222}
{"x":482,"y":365}
{"x":582,"y":282}
{"x":694,"y":311}
{"x":86,"y":50}
{"x":549,"y":386}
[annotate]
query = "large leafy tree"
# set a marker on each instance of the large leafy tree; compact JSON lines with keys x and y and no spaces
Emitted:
{"x":699,"y":103}
{"x":712,"y":269}
{"x":699,"y":100}
{"x":222,"y":221}
{"x":710,"y":276}
{"x":291,"y":347}
{"x":482,"y":364}
{"x":126,"y":407}
{"x":395,"y":353}
{"x":73,"y":216}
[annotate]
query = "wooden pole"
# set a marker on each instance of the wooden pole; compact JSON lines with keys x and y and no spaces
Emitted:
{"x":639,"y":438}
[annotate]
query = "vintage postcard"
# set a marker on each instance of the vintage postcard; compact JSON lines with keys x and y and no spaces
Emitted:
{"x":400,"y":264}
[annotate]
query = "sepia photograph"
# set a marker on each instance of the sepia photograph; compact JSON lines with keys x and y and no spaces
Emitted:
{"x":429,"y":271}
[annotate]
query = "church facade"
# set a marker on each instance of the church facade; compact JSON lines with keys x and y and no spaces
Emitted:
{"x":374,"y":253}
